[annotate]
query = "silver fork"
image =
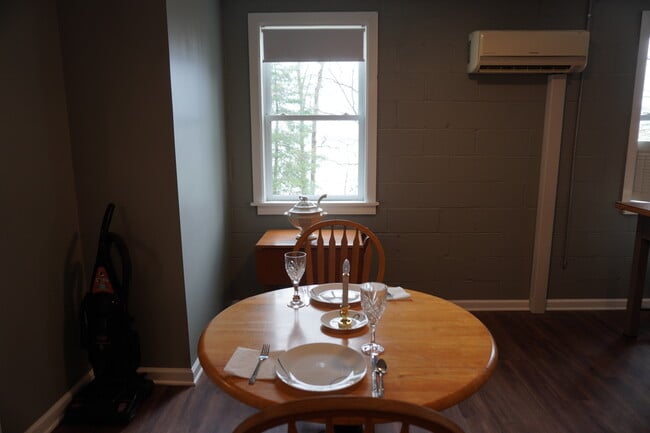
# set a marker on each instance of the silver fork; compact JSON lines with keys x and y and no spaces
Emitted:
{"x":264,"y":354}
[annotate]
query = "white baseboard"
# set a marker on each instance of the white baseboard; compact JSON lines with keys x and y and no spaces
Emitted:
{"x":197,"y":371}
{"x":169,"y":376}
{"x":551,"y":304}
{"x":493,"y":304}
{"x":174,"y":376}
{"x":160,"y":376}
{"x":50,"y":419}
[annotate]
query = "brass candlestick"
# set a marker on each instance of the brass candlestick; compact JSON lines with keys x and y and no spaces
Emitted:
{"x":344,"y":321}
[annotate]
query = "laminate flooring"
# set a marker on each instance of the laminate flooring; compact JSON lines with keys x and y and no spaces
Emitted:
{"x":558,"y":372}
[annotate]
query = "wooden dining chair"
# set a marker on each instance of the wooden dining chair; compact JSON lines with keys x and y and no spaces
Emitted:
{"x":342,"y":410}
{"x":337,"y":240}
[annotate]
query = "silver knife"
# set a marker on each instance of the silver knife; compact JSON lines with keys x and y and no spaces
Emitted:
{"x":381,"y":368}
{"x":375,"y":388}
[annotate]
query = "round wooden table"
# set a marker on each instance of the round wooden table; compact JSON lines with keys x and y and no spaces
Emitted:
{"x":438,"y":354}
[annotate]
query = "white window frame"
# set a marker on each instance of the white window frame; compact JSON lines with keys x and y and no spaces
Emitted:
{"x":366,"y":205}
{"x":633,"y":144}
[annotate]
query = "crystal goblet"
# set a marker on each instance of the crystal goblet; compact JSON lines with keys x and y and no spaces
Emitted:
{"x":373,"y":302}
{"x":294,"y":264}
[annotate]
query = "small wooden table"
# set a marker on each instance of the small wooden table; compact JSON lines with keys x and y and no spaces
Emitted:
{"x":438,"y":353}
{"x":269,"y":257}
{"x":639,"y":263}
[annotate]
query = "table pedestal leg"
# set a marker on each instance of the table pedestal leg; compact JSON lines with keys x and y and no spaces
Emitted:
{"x":637,"y":278}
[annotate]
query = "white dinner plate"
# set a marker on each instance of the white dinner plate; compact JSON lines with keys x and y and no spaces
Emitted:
{"x":330,"y":320}
{"x":332,"y":293}
{"x":321,"y":367}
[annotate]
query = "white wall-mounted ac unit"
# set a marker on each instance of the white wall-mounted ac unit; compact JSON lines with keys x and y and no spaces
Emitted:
{"x":528,"y":51}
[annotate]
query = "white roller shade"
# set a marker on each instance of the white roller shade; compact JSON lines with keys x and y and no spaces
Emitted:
{"x":318,"y":44}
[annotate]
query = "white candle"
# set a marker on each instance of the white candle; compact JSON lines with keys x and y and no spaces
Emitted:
{"x":346,"y":280}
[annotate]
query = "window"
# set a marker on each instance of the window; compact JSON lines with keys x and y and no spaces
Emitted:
{"x":314,"y":109}
{"x":636,"y":185}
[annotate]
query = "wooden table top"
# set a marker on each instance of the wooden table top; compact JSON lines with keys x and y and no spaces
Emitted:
{"x":438,"y":354}
{"x":638,"y":207}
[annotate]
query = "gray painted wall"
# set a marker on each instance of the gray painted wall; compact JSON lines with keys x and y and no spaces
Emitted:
{"x":116,"y":63}
{"x":88,"y":118}
{"x":40,"y":257}
{"x":458,"y":156}
{"x":199,"y":137}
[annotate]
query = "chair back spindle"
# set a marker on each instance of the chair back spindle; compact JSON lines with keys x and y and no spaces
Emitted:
{"x":337,"y":240}
{"x":344,"y":410}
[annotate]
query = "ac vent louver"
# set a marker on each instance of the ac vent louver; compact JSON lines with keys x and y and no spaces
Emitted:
{"x":526,"y":68}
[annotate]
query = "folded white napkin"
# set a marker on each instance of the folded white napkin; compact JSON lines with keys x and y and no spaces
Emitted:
{"x":243,"y":362}
{"x":395,"y":293}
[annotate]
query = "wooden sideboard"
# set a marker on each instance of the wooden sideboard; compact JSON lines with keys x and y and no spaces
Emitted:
{"x":269,"y":257}
{"x":639,"y":263}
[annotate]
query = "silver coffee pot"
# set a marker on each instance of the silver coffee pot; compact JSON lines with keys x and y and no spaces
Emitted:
{"x":305,"y":213}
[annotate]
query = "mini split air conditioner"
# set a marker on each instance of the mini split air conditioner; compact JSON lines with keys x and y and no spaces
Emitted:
{"x":528,"y":51}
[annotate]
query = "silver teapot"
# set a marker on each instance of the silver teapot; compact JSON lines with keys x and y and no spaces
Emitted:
{"x":305,"y":213}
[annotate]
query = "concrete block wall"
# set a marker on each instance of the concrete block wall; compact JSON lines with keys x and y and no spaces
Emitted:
{"x":458,"y":155}
{"x":460,"y":203}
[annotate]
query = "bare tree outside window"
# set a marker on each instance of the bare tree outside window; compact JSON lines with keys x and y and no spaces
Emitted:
{"x":315,"y":128}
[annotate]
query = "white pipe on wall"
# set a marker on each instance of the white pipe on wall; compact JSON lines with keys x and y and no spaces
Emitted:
{"x":548,"y":176}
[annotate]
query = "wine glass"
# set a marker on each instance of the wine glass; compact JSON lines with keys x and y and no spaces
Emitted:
{"x":373,"y":302}
{"x":294,"y":264}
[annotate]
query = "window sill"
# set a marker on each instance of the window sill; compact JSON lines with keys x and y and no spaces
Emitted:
{"x":332,"y":208}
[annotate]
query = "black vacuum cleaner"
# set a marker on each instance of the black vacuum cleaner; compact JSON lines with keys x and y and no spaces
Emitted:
{"x":107,"y":333}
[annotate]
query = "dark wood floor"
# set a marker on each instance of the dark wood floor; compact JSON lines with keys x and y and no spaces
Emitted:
{"x":558,"y":372}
